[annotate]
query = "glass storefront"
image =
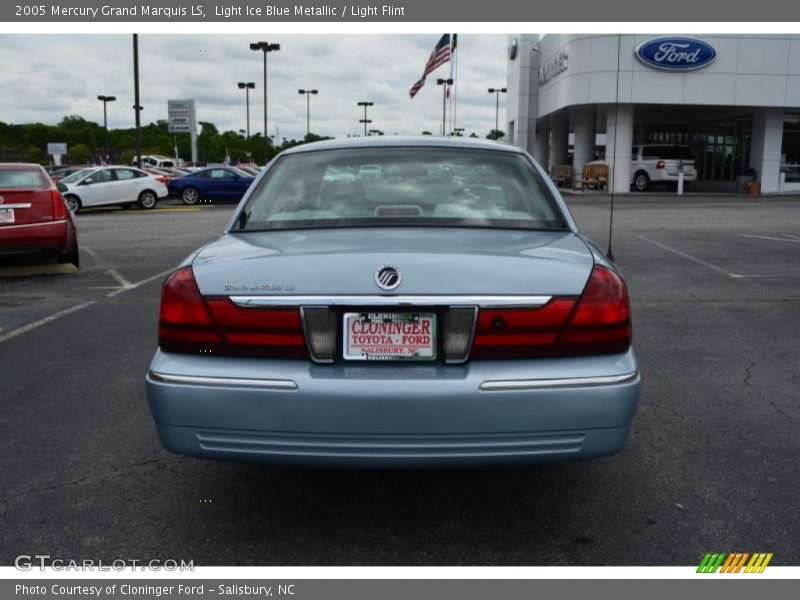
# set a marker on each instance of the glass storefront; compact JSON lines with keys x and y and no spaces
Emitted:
{"x":790,"y":150}
{"x":721,"y":147}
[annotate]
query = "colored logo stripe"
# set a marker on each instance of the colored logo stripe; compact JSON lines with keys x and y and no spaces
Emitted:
{"x":735,"y":562}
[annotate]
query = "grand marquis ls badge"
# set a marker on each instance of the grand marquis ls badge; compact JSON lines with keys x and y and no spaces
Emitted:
{"x":388,"y":277}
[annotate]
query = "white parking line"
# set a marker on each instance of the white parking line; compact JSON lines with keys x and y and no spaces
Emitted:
{"x":110,"y":270}
{"x":31,"y":326}
{"x":694,"y":259}
{"x":68,"y":311}
{"x":769,"y":237}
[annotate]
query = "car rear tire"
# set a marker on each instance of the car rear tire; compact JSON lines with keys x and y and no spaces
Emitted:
{"x":190,"y":195}
{"x":148,"y":199}
{"x":641,"y":181}
{"x":73,"y":256}
{"x":73,"y":203}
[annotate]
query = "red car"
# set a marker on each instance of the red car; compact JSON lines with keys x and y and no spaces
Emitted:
{"x":34,"y":219}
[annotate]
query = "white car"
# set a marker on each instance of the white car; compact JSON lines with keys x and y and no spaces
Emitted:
{"x":661,"y":163}
{"x":123,"y":186}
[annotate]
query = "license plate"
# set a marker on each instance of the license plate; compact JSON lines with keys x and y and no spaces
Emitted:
{"x":6,"y":215}
{"x":389,"y":336}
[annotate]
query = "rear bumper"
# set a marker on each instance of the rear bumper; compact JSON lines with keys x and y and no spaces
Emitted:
{"x":35,"y":237}
{"x":667,"y":175}
{"x":296,"y":412}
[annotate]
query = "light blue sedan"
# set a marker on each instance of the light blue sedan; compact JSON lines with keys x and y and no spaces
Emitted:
{"x":442,"y":311}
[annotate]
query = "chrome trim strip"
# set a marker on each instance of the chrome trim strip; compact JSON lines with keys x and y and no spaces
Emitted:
{"x":371,"y":300}
{"x":18,"y":205}
{"x":267,"y":384}
{"x":535,"y":384}
{"x":59,"y":222}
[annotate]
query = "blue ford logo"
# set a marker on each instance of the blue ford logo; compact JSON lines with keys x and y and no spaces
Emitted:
{"x":675,"y":53}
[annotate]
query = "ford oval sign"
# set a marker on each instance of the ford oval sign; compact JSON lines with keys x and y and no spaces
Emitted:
{"x":675,"y":53}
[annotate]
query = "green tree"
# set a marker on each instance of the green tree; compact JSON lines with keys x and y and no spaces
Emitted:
{"x":79,"y":153}
{"x":495,"y":134}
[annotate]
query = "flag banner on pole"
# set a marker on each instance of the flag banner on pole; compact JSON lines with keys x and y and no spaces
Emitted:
{"x":439,"y":56}
{"x":452,"y":61}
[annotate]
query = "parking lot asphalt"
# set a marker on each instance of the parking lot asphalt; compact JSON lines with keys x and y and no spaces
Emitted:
{"x":711,"y":464}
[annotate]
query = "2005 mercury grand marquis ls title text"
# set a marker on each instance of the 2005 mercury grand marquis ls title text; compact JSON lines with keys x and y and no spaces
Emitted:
{"x":443,"y":311}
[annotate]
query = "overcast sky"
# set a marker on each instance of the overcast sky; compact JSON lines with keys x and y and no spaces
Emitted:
{"x":45,"y":77}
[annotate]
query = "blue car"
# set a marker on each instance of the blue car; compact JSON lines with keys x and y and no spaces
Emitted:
{"x":442,"y":311}
{"x":215,"y":183}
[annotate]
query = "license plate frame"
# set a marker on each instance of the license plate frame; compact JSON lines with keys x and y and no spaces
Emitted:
{"x":374,"y":343}
{"x":7,"y":216}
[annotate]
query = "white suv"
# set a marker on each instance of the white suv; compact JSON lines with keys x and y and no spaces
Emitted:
{"x":661,"y":163}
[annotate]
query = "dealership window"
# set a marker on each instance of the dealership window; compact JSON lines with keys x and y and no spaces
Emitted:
{"x":790,"y":151}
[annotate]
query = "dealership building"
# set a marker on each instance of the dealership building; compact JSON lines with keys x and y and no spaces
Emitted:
{"x":733,"y":99}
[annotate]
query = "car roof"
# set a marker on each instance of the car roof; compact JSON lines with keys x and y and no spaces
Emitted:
{"x":17,"y":166}
{"x":398,"y":141}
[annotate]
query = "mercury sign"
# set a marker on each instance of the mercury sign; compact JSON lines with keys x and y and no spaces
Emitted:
{"x":675,"y":53}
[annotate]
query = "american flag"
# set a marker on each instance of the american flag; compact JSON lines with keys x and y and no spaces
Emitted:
{"x":439,"y":56}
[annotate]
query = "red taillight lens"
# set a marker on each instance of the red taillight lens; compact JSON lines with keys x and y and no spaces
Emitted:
{"x":59,"y":207}
{"x":162,"y":179}
{"x":520,"y":332}
{"x":274,"y":332}
{"x":660,"y":164}
{"x":598,"y":322}
{"x":190,"y":324}
{"x":601,"y":323}
{"x":185,"y":324}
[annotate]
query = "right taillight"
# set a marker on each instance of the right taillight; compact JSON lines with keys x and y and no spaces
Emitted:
{"x":59,"y":206}
{"x":661,"y":164}
{"x":601,"y":322}
{"x":192,"y":324}
{"x":597,"y":322}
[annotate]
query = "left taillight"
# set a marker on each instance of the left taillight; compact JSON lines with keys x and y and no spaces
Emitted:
{"x":185,"y":324}
{"x":192,"y":324}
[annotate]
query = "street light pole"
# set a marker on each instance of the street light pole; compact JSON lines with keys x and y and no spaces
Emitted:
{"x":497,"y":92}
{"x":105,"y":100}
{"x":365,"y":120}
{"x":265,"y":47}
{"x":308,"y":107}
{"x":247,"y":86}
{"x":444,"y":83}
{"x":136,"y":105}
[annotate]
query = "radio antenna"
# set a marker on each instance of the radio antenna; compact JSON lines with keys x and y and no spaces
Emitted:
{"x":614,"y":157}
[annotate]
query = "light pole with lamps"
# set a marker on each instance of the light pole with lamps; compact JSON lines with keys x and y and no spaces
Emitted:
{"x":266,"y":48}
{"x":308,"y":107}
{"x":247,"y":86}
{"x":365,"y":120}
{"x":497,"y":92}
{"x":444,"y":83}
{"x":105,"y":100}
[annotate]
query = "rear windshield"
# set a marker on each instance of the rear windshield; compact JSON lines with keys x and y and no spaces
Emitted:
{"x":77,"y":176}
{"x":401,"y":186}
{"x":21,"y":178}
{"x":668,"y":152}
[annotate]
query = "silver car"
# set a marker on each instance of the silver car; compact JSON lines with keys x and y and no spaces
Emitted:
{"x":445,"y":312}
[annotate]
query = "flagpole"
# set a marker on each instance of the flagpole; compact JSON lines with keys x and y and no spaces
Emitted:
{"x":455,"y":89}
